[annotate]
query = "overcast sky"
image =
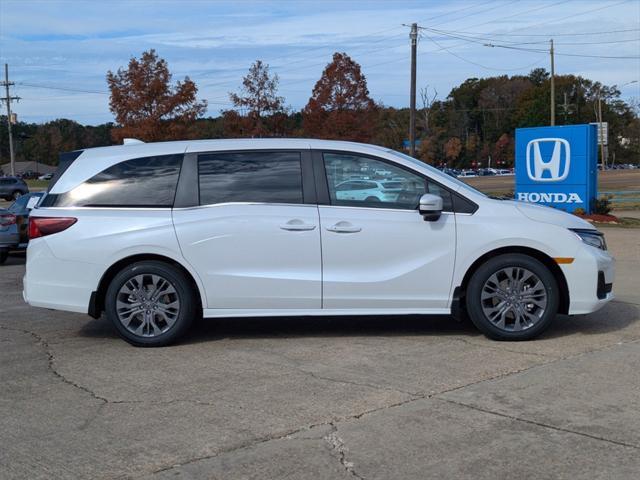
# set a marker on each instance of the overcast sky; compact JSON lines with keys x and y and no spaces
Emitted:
{"x":70,"y":45}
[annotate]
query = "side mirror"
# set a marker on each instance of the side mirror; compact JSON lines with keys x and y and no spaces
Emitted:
{"x":430,"y":207}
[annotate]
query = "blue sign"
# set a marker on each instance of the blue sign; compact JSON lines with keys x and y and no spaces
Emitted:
{"x":406,"y":144}
{"x":557,"y":166}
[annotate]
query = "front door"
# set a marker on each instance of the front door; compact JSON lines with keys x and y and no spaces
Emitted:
{"x":378,"y":252}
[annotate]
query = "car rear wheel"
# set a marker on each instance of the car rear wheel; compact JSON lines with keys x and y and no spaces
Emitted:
{"x":512,"y":297}
{"x":151,"y":303}
{"x":3,"y":256}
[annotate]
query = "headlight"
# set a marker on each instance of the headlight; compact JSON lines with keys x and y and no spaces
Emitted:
{"x":591,"y":237}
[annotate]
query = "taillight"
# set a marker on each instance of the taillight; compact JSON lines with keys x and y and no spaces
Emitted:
{"x":7,"y":219}
{"x":43,"y":226}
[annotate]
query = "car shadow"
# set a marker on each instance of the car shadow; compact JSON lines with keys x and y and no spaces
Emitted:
{"x":15,"y":258}
{"x":328,"y":326}
{"x":211,"y":329}
{"x":610,"y":319}
{"x":613,"y":317}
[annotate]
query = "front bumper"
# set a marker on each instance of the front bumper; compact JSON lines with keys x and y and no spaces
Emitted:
{"x":590,"y":280}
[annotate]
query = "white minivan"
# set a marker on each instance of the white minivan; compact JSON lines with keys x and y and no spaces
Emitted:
{"x":156,"y":235}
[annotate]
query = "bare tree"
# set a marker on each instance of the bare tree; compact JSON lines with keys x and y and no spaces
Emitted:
{"x":427,"y":103}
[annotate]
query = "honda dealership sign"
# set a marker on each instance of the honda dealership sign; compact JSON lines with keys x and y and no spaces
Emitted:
{"x":557,"y":166}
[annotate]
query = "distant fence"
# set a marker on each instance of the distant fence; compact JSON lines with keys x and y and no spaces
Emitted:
{"x":622,"y":196}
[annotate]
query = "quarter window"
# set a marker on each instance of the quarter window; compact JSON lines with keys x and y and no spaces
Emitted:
{"x":262,"y":177}
{"x":141,"y":182}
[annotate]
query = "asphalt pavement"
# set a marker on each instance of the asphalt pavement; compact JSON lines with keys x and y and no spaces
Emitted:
{"x":322,"y":398}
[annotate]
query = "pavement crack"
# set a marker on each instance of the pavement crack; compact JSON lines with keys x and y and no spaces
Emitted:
{"x":249,"y":444}
{"x":40,"y":341}
{"x":350,"y":382}
{"x":338,"y":446}
{"x":500,"y":349}
{"x":540,"y":424}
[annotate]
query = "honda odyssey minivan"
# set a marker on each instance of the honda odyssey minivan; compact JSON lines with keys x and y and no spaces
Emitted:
{"x":157,"y":235}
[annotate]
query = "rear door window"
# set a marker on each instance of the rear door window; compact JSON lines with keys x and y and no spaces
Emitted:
{"x":256,"y":177}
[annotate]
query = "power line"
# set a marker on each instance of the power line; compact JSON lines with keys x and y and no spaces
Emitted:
{"x":621,"y":57}
{"x":232,"y":82}
{"x":542,"y":23}
{"x":464,"y":16}
{"x":485,"y":39}
{"x":63,"y":89}
{"x":546,"y":35}
{"x":442,"y":47}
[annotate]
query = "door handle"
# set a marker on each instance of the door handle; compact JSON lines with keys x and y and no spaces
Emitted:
{"x":344,"y":227}
{"x":297,"y":226}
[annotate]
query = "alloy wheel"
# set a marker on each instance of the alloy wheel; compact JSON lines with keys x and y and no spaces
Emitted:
{"x":514,"y":299}
{"x":147,"y":305}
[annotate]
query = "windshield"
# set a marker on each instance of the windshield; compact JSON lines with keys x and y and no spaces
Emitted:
{"x":436,"y":172}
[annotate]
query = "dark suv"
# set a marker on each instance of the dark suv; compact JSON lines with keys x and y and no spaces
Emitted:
{"x":12,"y":188}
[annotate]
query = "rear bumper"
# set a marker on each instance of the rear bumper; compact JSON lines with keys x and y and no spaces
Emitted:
{"x":9,"y":240}
{"x":58,"y":284}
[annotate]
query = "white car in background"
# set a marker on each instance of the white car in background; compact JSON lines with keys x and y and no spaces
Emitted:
{"x":365,"y":190}
{"x":157,"y":235}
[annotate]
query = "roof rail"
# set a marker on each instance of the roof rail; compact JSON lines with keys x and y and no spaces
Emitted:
{"x":131,"y":141}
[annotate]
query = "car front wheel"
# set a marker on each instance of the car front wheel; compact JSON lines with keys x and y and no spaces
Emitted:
{"x":512,"y":297}
{"x":151,"y":303}
{"x":16,"y":195}
{"x":3,"y":256}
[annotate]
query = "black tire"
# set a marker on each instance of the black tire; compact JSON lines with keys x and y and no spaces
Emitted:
{"x":544,"y":316}
{"x":189,"y":305}
{"x":372,"y":199}
{"x":3,"y":256}
{"x":16,"y":195}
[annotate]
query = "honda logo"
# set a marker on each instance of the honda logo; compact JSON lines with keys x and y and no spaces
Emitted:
{"x":548,"y":169}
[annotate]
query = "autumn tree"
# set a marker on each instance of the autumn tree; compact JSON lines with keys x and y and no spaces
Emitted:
{"x":147,"y":106}
{"x":262,"y":111}
{"x":428,"y":149}
{"x":503,"y":150}
{"x":340,"y":106}
{"x":452,"y":149}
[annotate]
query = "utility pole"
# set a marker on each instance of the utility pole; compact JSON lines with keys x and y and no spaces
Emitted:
{"x":601,"y":130}
{"x":553,"y":86}
{"x":8,"y":98}
{"x":412,"y":107}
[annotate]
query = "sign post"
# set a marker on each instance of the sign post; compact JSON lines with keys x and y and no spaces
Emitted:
{"x":557,"y":166}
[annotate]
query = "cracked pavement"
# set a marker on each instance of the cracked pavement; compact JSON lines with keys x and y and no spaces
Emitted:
{"x":335,"y":398}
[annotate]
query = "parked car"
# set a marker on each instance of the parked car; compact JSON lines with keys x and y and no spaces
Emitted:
{"x":467,"y":173}
{"x":367,"y":190}
{"x":157,"y":235}
{"x":29,"y":175}
{"x":14,"y":223}
{"x":12,"y":188}
{"x":46,"y":176}
{"x":9,"y":236}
